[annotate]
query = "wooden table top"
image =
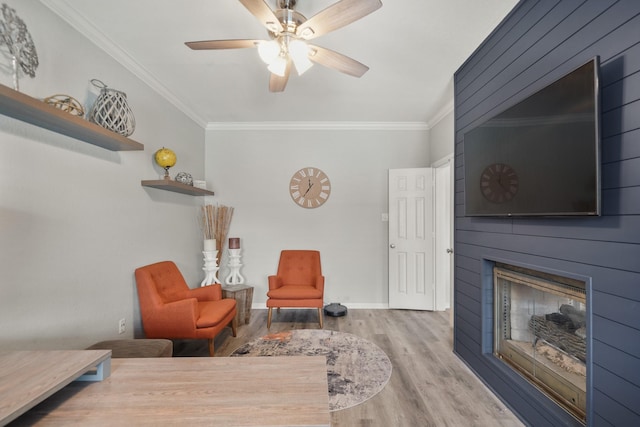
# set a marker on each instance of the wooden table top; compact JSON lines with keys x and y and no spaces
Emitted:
{"x":29,"y":377}
{"x":221,"y":391}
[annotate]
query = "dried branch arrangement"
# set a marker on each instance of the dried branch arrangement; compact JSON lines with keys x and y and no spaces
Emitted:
{"x":215,"y":222}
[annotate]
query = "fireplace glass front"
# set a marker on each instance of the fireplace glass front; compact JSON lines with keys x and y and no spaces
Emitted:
{"x":541,"y":332}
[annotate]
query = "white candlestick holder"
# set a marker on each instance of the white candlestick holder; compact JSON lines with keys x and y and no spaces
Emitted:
{"x":210,"y":268}
{"x":234,"y":277}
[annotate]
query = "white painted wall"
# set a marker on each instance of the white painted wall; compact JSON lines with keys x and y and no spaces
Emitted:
{"x":250,"y":170}
{"x":74,"y":220}
{"x":441,"y":138}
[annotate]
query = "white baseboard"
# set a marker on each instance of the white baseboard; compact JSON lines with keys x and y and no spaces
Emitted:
{"x":353,"y":305}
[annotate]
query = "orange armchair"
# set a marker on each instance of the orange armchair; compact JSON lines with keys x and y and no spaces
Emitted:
{"x":298,"y":283}
{"x":170,"y":309}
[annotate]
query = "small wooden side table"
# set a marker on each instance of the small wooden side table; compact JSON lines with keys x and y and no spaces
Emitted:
{"x":243,"y":294}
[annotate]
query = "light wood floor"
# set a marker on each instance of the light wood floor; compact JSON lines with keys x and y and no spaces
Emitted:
{"x":429,"y":385}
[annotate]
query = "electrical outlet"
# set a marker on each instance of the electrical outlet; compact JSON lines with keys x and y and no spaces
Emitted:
{"x":121,"y":326}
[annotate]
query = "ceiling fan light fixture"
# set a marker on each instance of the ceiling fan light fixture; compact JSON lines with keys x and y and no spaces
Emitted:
{"x":278,"y":66}
{"x":290,"y":31}
{"x":268,"y":51}
{"x":299,"y":52}
{"x":302,"y":65}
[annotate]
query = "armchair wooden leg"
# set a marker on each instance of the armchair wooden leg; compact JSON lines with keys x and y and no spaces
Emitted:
{"x":269,"y":318}
{"x":211,"y":350}
{"x":320,"y":317}
{"x":234,"y":327}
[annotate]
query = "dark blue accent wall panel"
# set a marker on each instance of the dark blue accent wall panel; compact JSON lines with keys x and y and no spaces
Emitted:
{"x":537,"y":43}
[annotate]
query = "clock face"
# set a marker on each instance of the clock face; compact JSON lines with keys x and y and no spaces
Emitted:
{"x":499,"y":183}
{"x":309,"y":187}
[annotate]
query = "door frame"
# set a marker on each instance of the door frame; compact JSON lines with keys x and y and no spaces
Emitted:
{"x":449,"y":159}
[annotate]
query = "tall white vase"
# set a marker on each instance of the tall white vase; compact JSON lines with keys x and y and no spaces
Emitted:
{"x":210,"y":268}
{"x":234,"y":277}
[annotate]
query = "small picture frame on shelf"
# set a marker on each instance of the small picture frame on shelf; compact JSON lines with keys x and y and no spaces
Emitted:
{"x":200,"y":184}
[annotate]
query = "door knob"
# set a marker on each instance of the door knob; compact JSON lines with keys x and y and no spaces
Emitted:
{"x":392,"y":246}
{"x":449,"y":250}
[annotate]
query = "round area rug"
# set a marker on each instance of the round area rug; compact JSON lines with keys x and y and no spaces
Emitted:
{"x":357,"y":369}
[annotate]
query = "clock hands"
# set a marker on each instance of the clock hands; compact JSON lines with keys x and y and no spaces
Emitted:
{"x":500,"y":182}
{"x":507,"y":185}
{"x":310,"y":185}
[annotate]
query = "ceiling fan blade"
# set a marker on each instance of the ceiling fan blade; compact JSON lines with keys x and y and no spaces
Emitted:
{"x":279,"y":83}
{"x":336,"y":16}
{"x":337,"y":61}
{"x":222,"y":44}
{"x":263,"y":12}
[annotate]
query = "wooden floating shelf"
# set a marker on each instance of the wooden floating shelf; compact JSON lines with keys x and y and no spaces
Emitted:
{"x":30,"y":110}
{"x":176,"y":187}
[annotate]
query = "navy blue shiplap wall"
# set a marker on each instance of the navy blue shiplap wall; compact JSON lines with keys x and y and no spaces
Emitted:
{"x":540,"y":41}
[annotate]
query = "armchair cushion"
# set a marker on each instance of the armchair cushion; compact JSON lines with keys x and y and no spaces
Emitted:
{"x":213,"y":313}
{"x":295,"y":292}
{"x":168,"y":282}
{"x":299,"y":267}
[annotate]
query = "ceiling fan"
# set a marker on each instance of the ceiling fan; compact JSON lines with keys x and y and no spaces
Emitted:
{"x":290,"y":30}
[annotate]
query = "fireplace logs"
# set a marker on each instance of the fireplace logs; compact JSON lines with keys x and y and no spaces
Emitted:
{"x":564,"y":330}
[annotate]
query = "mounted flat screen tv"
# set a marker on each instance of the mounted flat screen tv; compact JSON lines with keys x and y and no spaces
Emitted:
{"x":540,"y":157}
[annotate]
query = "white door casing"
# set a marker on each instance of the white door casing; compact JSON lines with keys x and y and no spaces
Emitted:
{"x":411,"y":240}
{"x":443,"y":216}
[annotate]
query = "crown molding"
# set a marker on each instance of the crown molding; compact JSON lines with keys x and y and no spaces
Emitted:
{"x":276,"y":126}
{"x":441,"y":114}
{"x":84,"y":27}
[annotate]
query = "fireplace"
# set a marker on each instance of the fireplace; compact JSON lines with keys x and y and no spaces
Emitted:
{"x":541,"y":332}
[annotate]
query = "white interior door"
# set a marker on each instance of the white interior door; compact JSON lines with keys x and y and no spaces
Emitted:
{"x":443,"y":215}
{"x":411,"y":275}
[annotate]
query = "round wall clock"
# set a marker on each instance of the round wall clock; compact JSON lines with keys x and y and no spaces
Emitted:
{"x":499,"y":183}
{"x":309,"y":187}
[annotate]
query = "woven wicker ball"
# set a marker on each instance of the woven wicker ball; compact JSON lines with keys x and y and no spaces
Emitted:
{"x":65,"y":103}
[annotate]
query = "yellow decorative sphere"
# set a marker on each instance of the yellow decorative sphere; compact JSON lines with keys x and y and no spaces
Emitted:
{"x":165,"y":158}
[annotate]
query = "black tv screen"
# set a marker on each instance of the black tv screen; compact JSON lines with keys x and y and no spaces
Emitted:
{"x":540,"y":157}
